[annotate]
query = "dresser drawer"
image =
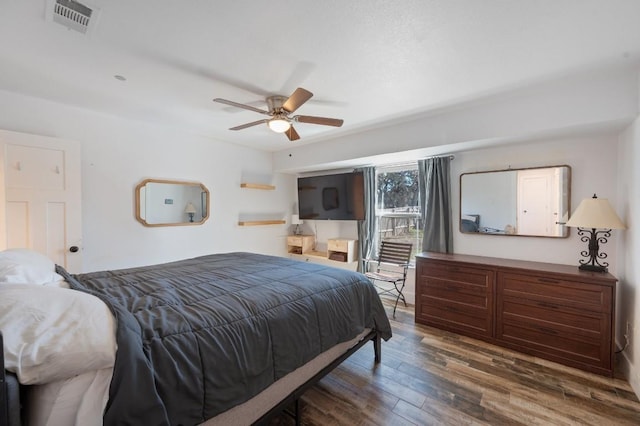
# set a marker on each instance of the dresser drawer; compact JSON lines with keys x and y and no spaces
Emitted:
{"x":562,"y":337}
{"x":550,"y":325}
{"x":463,"y":292}
{"x":338,"y":245}
{"x":294,"y":240}
{"x":300,"y":244}
{"x":454,"y":316}
{"x":555,"y":293}
{"x":456,"y":273}
{"x":556,"y":318}
{"x":455,"y":297}
{"x":462,"y":285}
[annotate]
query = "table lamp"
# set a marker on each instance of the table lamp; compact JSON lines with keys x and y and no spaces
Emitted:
{"x":593,"y":214}
{"x":190,"y":210}
{"x":295,"y":220}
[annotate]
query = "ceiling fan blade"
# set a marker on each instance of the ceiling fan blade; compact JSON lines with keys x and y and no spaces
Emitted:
{"x":236,"y":104}
{"x":319,"y":120}
{"x":292,"y":134}
{"x":299,"y":97}
{"x":300,"y":72}
{"x":244,"y":126}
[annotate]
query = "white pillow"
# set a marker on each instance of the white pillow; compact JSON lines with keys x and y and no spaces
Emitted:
{"x":24,"y":266}
{"x":53,"y":333}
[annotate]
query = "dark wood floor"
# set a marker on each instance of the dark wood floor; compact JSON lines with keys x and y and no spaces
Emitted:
{"x":431,"y":377}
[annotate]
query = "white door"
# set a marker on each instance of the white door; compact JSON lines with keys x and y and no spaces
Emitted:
{"x":538,"y":202}
{"x":42,"y":201}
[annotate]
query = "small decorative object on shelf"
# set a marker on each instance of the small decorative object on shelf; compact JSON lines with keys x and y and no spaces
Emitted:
{"x":592,"y":214}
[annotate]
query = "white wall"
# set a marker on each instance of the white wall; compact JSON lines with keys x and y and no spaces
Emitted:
{"x":598,"y":99}
{"x":118,"y":154}
{"x":593,"y":161}
{"x":628,"y":302}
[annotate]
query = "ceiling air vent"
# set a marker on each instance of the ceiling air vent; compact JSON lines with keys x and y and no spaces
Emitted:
{"x":72,"y":14}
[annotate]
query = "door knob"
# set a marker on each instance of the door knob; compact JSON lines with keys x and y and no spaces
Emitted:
{"x":73,"y":249}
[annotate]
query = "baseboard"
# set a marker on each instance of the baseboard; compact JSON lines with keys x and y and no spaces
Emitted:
{"x":626,"y":369}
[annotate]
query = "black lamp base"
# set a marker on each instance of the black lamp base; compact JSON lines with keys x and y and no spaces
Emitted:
{"x":593,"y":268}
{"x":595,"y":262}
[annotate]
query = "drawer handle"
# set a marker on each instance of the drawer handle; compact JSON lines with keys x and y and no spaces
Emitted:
{"x":453,"y":269}
{"x":548,"y":280}
{"x":547,"y":305}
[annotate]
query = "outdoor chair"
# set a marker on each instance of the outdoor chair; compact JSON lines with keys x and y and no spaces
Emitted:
{"x":390,"y":272}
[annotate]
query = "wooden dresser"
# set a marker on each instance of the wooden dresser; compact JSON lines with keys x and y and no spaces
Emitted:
{"x":555,"y":312}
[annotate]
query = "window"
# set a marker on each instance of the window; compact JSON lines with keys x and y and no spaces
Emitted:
{"x":398,"y":215}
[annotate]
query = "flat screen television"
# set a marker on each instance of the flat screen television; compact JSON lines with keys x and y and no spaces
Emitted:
{"x":331,"y":197}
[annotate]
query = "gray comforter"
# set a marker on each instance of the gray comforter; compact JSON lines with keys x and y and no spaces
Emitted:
{"x":199,"y":336}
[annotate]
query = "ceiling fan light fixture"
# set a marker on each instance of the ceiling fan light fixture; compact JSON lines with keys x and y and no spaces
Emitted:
{"x":279,"y":125}
{"x":279,"y":111}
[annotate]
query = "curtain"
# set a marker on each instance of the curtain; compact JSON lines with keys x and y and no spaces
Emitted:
{"x":435,"y":201}
{"x":367,"y":237}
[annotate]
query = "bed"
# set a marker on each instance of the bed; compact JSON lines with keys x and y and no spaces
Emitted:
{"x":470,"y":223}
{"x":228,"y":338}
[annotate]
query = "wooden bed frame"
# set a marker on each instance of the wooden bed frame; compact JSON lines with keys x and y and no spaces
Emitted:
{"x":10,"y":390}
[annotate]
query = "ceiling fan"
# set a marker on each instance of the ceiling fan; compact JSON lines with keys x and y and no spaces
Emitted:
{"x":280,"y":109}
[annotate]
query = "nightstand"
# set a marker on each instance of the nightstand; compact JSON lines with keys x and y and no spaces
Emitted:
{"x":299,"y":244}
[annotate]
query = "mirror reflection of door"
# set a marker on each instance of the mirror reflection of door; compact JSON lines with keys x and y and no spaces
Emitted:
{"x":532,"y":201}
{"x":538,"y":202}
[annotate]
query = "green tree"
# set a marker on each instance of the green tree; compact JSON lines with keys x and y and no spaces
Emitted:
{"x":398,"y":189}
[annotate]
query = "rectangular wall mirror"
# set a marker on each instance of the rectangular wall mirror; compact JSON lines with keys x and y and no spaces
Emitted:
{"x":525,"y":202}
{"x":170,"y":203}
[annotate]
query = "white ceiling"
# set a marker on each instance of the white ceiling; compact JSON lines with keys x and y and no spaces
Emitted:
{"x":366,"y":61}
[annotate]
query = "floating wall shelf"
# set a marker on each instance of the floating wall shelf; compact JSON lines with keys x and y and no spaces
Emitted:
{"x":257,"y":186}
{"x":261,"y":222}
{"x":257,"y":221}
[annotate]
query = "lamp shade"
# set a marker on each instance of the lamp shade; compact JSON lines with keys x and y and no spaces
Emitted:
{"x":295,"y":220}
{"x":595,"y":213}
{"x":279,"y":125}
{"x":190,"y":208}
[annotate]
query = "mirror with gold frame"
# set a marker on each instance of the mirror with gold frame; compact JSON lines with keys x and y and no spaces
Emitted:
{"x":161,"y":202}
{"x":526,"y":202}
